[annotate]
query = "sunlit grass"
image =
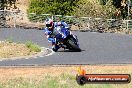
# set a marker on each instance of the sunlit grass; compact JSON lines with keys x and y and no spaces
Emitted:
{"x":49,"y":82}
{"x":58,"y":77}
{"x":33,"y":47}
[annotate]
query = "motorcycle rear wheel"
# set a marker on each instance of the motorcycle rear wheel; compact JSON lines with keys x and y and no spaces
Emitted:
{"x":73,"y":45}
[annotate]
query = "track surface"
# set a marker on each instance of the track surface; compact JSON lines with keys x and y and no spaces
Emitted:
{"x":98,"y":48}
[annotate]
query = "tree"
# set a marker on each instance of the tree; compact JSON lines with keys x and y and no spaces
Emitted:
{"x":121,"y":5}
{"x":2,"y":18}
{"x":3,"y":4}
{"x":117,"y":3}
{"x":103,"y":2}
{"x":61,"y":7}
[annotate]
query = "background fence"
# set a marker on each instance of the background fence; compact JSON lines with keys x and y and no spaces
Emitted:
{"x":17,"y":19}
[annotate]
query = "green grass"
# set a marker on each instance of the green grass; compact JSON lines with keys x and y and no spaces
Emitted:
{"x":10,"y":40}
{"x":63,"y":81}
{"x":33,"y":47}
{"x":62,"y":78}
{"x":19,"y":83}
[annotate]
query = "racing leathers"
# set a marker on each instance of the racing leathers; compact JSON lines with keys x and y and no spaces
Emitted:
{"x":56,"y":31}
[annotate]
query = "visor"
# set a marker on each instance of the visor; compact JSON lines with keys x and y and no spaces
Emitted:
{"x":48,"y":25}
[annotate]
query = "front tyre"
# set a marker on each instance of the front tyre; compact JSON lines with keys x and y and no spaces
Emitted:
{"x":55,"y":48}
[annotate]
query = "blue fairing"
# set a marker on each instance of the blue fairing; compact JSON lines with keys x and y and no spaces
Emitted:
{"x":65,"y":32}
{"x":61,"y":36}
{"x":46,"y":31}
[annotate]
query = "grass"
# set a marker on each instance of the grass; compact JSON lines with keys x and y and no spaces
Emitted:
{"x":10,"y":40}
{"x":50,"y":82}
{"x":9,"y":49}
{"x":57,"y":77}
{"x":33,"y":47}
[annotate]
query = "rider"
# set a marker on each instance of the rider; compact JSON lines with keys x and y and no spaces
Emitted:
{"x":50,"y":31}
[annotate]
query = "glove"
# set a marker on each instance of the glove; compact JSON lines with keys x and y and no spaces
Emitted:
{"x":48,"y":33}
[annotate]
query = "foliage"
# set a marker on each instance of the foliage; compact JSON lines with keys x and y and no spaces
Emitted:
{"x":33,"y":47}
{"x":4,"y":3}
{"x":117,"y":3}
{"x":62,"y":7}
{"x":103,"y":2}
{"x":88,"y":8}
{"x":69,"y":81}
{"x":10,"y":40}
{"x":92,"y":8}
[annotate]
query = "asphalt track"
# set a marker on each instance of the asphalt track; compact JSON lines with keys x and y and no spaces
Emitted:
{"x":97,"y":48}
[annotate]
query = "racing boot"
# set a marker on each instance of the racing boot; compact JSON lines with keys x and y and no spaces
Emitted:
{"x":55,"y":48}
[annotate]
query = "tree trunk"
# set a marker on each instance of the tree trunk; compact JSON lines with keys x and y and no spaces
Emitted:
{"x":2,"y":17}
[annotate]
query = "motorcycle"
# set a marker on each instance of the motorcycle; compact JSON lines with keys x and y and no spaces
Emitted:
{"x":66,"y":39}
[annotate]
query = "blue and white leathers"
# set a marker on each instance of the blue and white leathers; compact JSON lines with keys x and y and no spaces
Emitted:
{"x":57,"y":31}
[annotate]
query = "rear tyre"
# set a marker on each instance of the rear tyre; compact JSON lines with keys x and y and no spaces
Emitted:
{"x":73,"y":45}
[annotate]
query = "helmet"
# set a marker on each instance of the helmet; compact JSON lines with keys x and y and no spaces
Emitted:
{"x":49,"y":23}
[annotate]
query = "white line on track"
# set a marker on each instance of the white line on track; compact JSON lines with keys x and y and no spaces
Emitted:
{"x":52,"y":52}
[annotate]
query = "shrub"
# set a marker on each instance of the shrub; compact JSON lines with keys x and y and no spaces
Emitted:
{"x":89,"y":8}
{"x":55,"y":7}
{"x":33,"y":47}
{"x":93,"y":8}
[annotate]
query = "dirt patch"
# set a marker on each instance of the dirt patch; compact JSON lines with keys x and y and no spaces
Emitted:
{"x":9,"y":50}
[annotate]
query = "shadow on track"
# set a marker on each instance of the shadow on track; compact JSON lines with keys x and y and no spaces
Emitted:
{"x":70,"y":51}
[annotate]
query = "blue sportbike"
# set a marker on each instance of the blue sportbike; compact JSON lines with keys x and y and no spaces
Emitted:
{"x":66,"y":39}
